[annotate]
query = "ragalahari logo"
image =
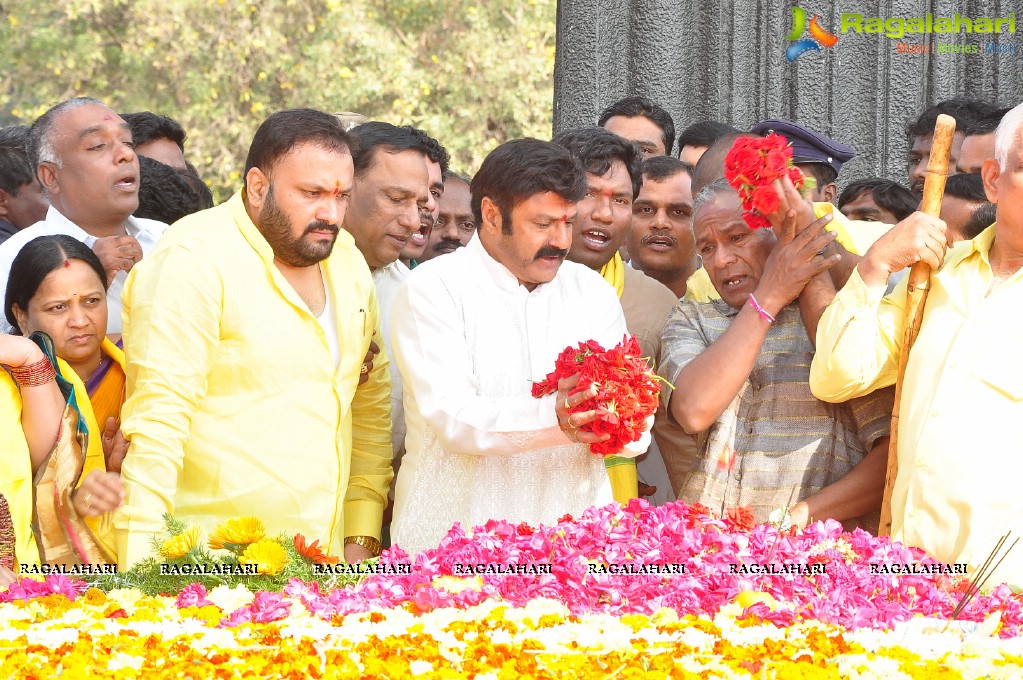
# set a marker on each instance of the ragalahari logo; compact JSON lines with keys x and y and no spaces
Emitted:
{"x":819,"y":37}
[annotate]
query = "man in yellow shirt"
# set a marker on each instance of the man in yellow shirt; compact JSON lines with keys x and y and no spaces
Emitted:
{"x":245,"y":336}
{"x":959,"y":436}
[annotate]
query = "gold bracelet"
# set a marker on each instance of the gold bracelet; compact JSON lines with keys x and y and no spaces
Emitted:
{"x":368,"y":542}
{"x":35,"y":374}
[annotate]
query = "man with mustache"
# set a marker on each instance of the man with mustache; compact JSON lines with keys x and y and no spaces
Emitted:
{"x":660,"y":239}
{"x":85,"y":160}
{"x":471,"y":333}
{"x":250,"y":392}
{"x":455,"y":225}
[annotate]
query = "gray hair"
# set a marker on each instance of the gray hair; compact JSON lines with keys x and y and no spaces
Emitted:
{"x":41,"y":148}
{"x":1009,"y":131}
{"x":710,"y":192}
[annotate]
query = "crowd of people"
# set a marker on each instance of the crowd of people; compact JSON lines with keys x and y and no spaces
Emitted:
{"x":345,"y":347}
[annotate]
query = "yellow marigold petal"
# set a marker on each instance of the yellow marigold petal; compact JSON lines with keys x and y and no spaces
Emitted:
{"x":238,"y":531}
{"x":268,"y":556}
{"x":180,"y":545}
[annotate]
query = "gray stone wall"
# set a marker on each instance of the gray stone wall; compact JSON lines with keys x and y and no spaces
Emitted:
{"x":726,"y":61}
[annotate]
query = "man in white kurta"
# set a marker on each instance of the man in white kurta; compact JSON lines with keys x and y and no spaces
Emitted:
{"x":471,"y":331}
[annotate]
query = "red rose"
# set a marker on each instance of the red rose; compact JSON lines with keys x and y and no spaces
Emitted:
{"x":776,"y":164}
{"x":741,"y":518}
{"x":742,"y":161}
{"x":796,"y":177}
{"x":755,"y":221}
{"x":766,"y":199}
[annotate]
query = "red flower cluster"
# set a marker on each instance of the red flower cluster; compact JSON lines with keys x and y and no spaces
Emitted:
{"x":751,"y":165}
{"x":627,"y":390}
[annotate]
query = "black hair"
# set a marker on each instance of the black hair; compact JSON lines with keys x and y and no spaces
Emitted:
{"x":987,"y":123}
{"x":521,"y":168}
{"x":168,"y":194}
{"x":450,"y":174}
{"x":391,"y":138}
{"x":704,"y":133}
{"x":967,"y":185}
{"x":432,"y":148}
{"x":148,"y":127}
{"x":597,"y":149}
{"x":631,"y":107}
{"x":660,"y":168}
{"x":967,"y":112}
{"x":35,"y":261}
{"x":892,"y":196}
{"x":283,"y":131}
{"x":711,"y":165}
{"x":15,"y":170}
{"x":983,"y":217}
{"x":822,"y":172}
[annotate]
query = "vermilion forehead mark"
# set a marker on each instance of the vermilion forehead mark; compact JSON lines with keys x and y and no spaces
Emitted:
{"x":337,"y":187}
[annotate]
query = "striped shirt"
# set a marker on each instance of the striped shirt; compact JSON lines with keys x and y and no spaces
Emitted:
{"x":775,"y":444}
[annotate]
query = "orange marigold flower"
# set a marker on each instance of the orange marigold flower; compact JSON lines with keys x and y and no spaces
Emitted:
{"x":236,"y":533}
{"x":312,"y":551}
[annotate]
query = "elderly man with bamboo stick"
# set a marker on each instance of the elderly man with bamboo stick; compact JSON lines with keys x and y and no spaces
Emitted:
{"x":960,"y":439}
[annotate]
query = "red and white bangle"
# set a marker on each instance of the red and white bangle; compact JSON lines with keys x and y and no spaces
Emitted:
{"x":33,"y":375}
{"x":764,"y":314}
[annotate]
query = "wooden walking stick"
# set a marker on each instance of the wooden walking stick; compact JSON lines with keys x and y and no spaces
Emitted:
{"x":919,"y":282}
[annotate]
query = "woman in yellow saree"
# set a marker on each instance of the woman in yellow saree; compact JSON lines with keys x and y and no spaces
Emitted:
{"x":57,"y":286}
{"x":31,"y":406}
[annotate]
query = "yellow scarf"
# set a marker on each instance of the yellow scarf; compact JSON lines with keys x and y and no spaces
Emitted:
{"x":621,"y":471}
{"x":614,"y":273}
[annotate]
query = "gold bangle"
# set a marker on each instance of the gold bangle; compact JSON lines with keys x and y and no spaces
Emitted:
{"x":368,"y":542}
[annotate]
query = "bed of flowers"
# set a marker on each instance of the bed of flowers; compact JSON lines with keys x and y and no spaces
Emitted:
{"x":629,"y":592}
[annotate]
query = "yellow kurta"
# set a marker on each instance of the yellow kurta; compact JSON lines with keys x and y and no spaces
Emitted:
{"x":16,"y":470}
{"x":960,"y":438}
{"x":235,"y":407}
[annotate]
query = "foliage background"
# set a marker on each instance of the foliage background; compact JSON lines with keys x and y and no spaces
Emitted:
{"x":472,"y":74}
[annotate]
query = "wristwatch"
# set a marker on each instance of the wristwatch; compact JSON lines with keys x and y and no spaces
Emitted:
{"x":368,"y":542}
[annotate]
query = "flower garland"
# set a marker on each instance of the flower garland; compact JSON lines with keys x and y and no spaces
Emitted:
{"x":751,"y":167}
{"x":627,"y":390}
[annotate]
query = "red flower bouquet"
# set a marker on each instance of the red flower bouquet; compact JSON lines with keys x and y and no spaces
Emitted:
{"x":627,"y":390}
{"x":751,"y":165}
